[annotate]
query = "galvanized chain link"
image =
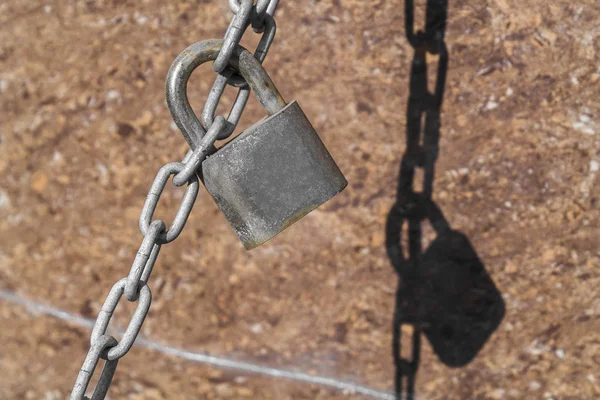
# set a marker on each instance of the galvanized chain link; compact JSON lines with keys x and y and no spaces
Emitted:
{"x":194,"y":158}
{"x":422,"y":144}
{"x":135,"y":286}
{"x":245,"y":13}
{"x":88,"y":367}
{"x":172,"y":168}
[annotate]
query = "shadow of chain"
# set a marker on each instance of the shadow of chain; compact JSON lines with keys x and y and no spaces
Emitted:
{"x":444,"y":291}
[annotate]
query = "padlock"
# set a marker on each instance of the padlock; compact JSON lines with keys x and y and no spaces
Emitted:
{"x":273,"y":173}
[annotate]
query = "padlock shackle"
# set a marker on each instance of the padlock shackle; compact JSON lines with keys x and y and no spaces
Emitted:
{"x":197,"y":54}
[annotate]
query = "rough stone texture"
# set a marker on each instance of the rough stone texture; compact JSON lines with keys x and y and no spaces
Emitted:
{"x":84,"y":128}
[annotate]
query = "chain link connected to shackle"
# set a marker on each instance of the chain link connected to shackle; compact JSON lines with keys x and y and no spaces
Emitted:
{"x":245,"y":13}
{"x":156,"y":233}
{"x":422,"y":145}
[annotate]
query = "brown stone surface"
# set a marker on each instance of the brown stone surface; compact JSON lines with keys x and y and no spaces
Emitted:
{"x":84,"y":128}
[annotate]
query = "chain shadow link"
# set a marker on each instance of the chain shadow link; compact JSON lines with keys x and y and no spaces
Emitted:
{"x":444,"y":291}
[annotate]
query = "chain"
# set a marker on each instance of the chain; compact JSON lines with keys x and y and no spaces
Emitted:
{"x":135,"y":286}
{"x":260,"y":16}
{"x":422,"y":145}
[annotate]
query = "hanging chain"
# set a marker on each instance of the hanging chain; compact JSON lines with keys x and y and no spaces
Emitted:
{"x":260,"y":16}
{"x":422,"y":144}
{"x":135,"y":286}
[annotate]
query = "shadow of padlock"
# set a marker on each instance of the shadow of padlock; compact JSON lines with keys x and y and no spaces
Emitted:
{"x":273,"y":173}
{"x":446,"y":291}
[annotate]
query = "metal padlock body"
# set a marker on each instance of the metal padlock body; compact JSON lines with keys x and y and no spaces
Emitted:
{"x":272,"y":174}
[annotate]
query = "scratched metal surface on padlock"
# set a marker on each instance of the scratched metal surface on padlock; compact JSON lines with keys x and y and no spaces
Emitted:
{"x":272,"y":174}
